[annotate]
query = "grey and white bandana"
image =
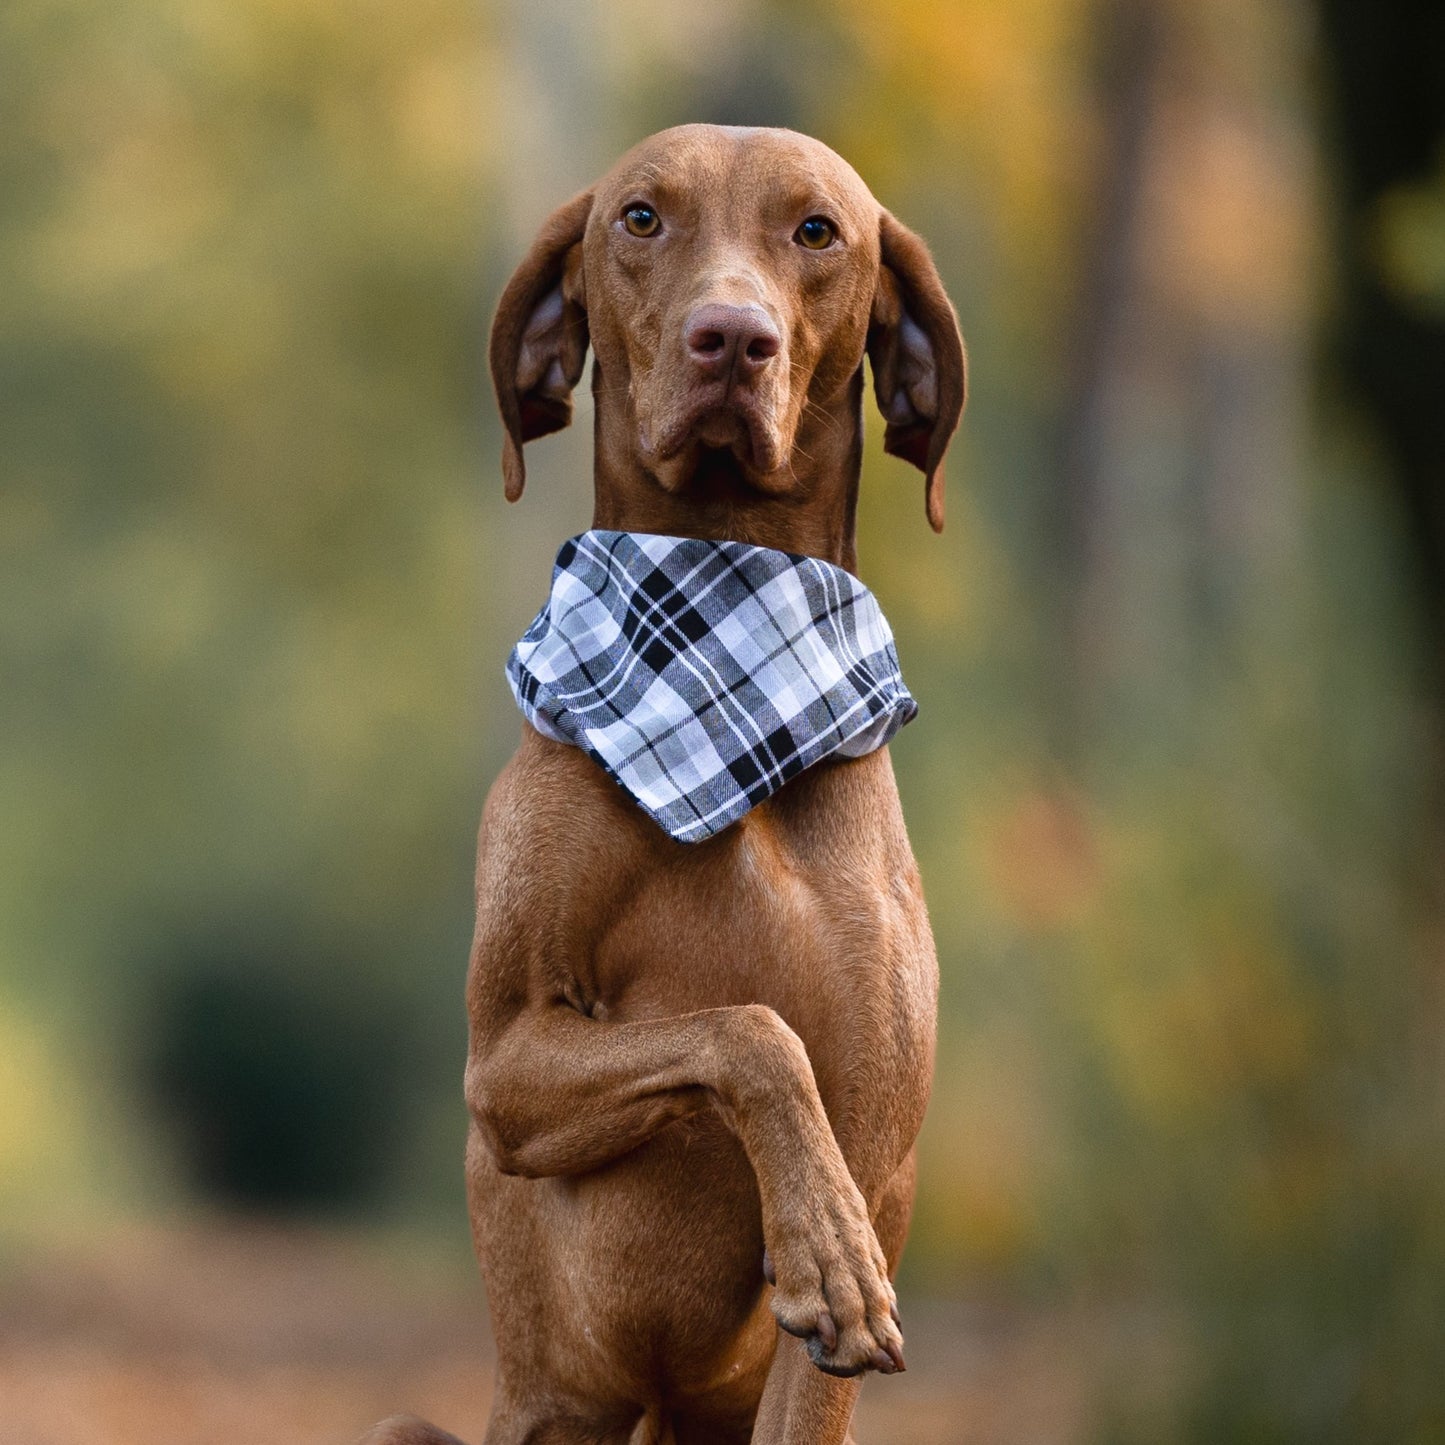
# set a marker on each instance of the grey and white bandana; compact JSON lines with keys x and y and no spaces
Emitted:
{"x":703,"y":675}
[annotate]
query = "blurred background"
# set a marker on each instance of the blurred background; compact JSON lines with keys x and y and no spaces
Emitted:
{"x":1176,"y":788}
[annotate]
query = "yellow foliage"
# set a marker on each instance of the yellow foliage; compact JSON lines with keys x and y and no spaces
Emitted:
{"x":43,"y":1130}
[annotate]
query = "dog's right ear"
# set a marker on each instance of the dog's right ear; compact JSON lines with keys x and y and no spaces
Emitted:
{"x":539,"y":337}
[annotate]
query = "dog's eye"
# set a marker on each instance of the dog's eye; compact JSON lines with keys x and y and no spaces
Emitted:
{"x":816,"y":233}
{"x":641,"y":220}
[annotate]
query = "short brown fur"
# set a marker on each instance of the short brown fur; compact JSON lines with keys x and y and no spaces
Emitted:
{"x":691,"y":1064}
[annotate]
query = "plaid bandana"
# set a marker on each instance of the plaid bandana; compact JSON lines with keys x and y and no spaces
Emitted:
{"x":703,"y":675}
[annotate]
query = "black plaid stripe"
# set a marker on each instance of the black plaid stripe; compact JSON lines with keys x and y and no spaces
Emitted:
{"x":703,"y":675}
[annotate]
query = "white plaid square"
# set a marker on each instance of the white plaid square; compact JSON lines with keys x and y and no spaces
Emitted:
{"x":703,"y":675}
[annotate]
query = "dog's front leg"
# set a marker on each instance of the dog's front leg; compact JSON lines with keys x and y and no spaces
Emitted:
{"x":555,"y":1092}
{"x":800,"y":1406}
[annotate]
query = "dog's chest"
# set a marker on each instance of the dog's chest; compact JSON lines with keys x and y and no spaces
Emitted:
{"x":813,"y":907}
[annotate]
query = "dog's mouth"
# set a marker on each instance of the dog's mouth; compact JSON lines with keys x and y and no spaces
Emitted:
{"x":732,"y":437}
{"x":722,"y":427}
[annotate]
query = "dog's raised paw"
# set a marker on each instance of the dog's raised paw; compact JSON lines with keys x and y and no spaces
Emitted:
{"x":831,"y":1290}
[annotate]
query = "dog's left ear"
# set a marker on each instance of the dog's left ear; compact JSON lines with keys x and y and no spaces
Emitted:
{"x":539,"y":337}
{"x":920,"y":375}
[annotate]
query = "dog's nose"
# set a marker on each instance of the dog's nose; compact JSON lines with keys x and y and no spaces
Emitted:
{"x":737,"y":339}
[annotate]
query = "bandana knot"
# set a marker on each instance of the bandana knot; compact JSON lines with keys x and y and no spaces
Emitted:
{"x":703,"y":675}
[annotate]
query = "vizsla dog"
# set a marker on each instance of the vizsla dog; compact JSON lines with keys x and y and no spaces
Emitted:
{"x":697,"y":1070}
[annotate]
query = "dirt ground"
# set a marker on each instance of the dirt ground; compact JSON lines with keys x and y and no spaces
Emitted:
{"x":227,"y":1334}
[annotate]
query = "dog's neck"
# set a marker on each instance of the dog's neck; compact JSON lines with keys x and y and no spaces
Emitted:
{"x":816,"y":517}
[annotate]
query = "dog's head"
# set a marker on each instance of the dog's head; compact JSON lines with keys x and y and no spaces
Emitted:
{"x":729,"y":282}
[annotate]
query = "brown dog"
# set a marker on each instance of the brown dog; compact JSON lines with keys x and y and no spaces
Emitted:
{"x":695,"y":1069}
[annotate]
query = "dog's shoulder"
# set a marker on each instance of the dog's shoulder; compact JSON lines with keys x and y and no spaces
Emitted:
{"x":554,"y":820}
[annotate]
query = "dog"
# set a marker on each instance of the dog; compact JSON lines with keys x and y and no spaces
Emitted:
{"x":696,"y":1071}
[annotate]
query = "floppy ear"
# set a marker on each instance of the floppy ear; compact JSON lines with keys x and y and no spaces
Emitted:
{"x":539,"y":337}
{"x":920,"y":376}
